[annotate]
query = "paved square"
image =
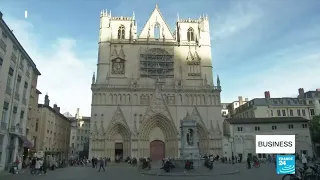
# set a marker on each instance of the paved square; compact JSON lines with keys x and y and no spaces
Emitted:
{"x":123,"y":171}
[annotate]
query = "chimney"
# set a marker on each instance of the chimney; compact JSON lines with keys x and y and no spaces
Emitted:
{"x":55,"y":107}
{"x":301,"y":93}
{"x":58,"y":109}
{"x":46,"y":100}
{"x":266,"y":94}
{"x":240,"y":100}
{"x":1,"y":15}
{"x":246,"y":99}
{"x":318,"y":90}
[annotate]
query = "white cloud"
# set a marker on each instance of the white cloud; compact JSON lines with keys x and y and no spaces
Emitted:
{"x":240,"y":16}
{"x":66,"y":77}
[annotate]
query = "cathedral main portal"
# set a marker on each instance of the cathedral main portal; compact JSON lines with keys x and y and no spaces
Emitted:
{"x":157,"y":150}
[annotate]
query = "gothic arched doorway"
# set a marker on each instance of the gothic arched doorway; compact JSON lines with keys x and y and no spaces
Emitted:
{"x":157,"y":150}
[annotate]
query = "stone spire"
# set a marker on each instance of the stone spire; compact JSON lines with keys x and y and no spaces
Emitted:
{"x":93,"y":78}
{"x":218,"y":81}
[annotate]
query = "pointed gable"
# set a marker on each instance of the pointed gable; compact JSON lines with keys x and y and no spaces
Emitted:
{"x":154,"y":19}
{"x":196,"y":116}
{"x":118,"y":117}
{"x":157,"y":106}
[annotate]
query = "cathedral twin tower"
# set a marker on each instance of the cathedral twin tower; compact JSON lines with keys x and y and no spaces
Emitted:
{"x":147,"y":83}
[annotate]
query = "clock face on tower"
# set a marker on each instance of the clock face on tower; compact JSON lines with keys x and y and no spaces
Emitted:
{"x":118,"y":66}
{"x":155,"y":63}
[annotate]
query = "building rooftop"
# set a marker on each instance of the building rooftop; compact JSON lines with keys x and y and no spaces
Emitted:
{"x":54,"y":111}
{"x":266,"y":120}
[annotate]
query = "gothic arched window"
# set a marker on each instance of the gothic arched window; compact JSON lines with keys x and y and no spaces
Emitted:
{"x":157,"y":31}
{"x":121,"y":32}
{"x":190,"y":34}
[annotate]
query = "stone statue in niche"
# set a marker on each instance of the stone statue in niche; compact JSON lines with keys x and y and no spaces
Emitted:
{"x":118,"y":66}
{"x":190,"y":137}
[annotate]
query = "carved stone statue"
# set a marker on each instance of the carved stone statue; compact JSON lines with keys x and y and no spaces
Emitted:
{"x":190,"y":137}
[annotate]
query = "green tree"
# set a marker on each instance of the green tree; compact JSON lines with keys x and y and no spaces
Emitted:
{"x":315,"y":129}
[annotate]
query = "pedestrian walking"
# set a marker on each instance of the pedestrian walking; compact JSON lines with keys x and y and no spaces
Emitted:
{"x":101,"y":162}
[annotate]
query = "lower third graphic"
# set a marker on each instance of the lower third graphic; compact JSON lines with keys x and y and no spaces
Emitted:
{"x":286,"y":164}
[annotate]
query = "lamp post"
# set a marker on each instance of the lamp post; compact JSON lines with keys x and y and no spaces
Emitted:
{"x":231,"y":140}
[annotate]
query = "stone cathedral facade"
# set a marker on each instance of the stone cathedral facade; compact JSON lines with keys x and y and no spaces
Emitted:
{"x":146,"y":84}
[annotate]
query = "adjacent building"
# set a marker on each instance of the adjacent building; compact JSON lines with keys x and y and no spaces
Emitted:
{"x":224,"y":110}
{"x":17,"y":76}
{"x":311,"y":98}
{"x":234,"y":105}
{"x":275,"y":107}
{"x":145,"y":84}
{"x":53,"y":136}
{"x":244,"y":130}
{"x":80,"y":134}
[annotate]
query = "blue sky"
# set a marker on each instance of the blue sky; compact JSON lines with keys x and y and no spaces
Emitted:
{"x":256,"y":45}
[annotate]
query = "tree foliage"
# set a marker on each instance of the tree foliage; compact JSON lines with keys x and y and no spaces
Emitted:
{"x":315,"y":129}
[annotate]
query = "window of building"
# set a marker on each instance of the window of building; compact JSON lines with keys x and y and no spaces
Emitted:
{"x":190,"y":34}
{"x":310,"y":102}
{"x":18,"y":84}
{"x":72,"y":137}
{"x":304,"y":125}
{"x":21,"y":117}
{"x":9,"y":80}
{"x":239,"y":128}
{"x":299,"y":112}
{"x":78,"y":138}
{"x":303,"y":112}
{"x":290,"y":126}
{"x":274,"y":127}
{"x":279,"y":112}
{"x":257,"y":128}
{"x":291,"y":112}
{"x":121,"y":32}
{"x":14,"y":113}
{"x":271,"y":112}
{"x":157,"y":31}
{"x":283,"y":112}
{"x":37,"y":126}
{"x":312,"y":112}
{"x":24,"y":95}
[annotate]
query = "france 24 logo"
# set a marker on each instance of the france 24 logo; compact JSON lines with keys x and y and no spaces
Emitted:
{"x":286,"y":164}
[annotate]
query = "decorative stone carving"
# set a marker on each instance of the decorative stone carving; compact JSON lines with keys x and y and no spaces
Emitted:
{"x":118,"y":66}
{"x":171,"y":100}
{"x":118,"y":117}
{"x":195,"y":115}
{"x":157,"y":105}
{"x":114,"y":53}
{"x":121,"y":53}
{"x":144,"y":99}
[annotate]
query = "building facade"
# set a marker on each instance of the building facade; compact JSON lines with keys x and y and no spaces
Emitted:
{"x":80,"y":134}
{"x":32,"y":127}
{"x":234,"y":105}
{"x":243,"y":132}
{"x":145,"y":84}
{"x":312,"y":98}
{"x":275,"y":107}
{"x":54,"y":134}
{"x":17,"y":72}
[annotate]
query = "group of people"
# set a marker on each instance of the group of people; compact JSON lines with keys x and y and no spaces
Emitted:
{"x":38,"y":166}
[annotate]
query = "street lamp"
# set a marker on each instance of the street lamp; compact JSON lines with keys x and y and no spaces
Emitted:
{"x":231,"y":140}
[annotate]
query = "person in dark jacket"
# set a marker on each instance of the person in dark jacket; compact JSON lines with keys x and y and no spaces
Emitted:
{"x":248,"y":162}
{"x":101,"y":162}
